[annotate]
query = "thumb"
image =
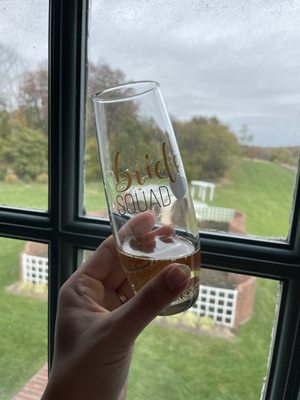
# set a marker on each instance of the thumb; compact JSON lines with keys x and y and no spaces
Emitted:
{"x":157,"y":294}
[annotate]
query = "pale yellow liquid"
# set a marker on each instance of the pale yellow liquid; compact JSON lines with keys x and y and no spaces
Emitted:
{"x":143,"y":259}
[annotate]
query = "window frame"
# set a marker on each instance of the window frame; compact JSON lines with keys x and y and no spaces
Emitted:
{"x":66,"y":231}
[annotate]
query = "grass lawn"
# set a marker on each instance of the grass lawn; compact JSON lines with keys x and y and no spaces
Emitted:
{"x":23,"y":327}
{"x":264,"y":192}
{"x":34,"y":195}
{"x":168,"y":363}
{"x":261,"y":190}
{"x":27,"y":195}
{"x":94,"y":197}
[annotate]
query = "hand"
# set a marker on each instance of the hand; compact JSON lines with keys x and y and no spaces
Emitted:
{"x":95,"y":332}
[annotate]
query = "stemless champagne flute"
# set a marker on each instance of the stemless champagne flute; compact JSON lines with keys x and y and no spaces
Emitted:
{"x":145,"y":182}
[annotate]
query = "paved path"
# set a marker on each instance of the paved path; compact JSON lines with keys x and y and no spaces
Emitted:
{"x":34,"y":388}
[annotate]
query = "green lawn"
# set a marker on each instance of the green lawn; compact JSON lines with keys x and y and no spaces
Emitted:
{"x":168,"y":363}
{"x":94,"y":197}
{"x":264,"y":192}
{"x":34,"y":195}
{"x":26,"y":195}
{"x":23,"y":326}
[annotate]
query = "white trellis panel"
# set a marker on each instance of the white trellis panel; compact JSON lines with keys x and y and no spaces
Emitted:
{"x":35,"y":269}
{"x":218,"y":304}
{"x":208,"y":213}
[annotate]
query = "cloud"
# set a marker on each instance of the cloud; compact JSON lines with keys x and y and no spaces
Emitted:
{"x":238,"y":61}
{"x":235,"y":60}
{"x":24,"y":27}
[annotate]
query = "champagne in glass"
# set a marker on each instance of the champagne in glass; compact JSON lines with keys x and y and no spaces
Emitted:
{"x":148,"y":199}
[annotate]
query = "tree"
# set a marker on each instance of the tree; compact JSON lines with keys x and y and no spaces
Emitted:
{"x":281,"y":155}
{"x":209,"y":150}
{"x":24,"y":153}
{"x":11,"y":70}
{"x":32,"y":110}
{"x":244,"y":137}
{"x":100,"y":77}
{"x":125,"y":127}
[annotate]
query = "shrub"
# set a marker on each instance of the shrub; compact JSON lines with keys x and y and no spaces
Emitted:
{"x":2,"y":173}
{"x":10,"y":178}
{"x":42,"y":178}
{"x":25,"y":152}
{"x":92,"y":163}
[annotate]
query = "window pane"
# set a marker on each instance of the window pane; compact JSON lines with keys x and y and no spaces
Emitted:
{"x":229,"y":75}
{"x":23,"y":315}
{"x":217,"y":350}
{"x":24,"y":103}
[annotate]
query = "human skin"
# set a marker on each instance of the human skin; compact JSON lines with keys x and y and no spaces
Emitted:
{"x":95,"y":332}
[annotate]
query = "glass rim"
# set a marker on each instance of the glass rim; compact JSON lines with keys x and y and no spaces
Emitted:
{"x":147,"y":86}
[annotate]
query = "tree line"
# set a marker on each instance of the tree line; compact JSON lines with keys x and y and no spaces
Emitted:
{"x":209,"y":149}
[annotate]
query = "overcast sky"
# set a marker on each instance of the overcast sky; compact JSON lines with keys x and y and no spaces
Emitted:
{"x":237,"y":60}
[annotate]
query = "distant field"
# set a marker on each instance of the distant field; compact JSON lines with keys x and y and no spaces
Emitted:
{"x":35,"y":195}
{"x":264,"y":192}
{"x":26,"y":195}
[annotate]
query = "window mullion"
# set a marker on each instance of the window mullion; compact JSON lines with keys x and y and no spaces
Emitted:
{"x":24,"y":224}
{"x":66,"y":52}
{"x":283,"y":382}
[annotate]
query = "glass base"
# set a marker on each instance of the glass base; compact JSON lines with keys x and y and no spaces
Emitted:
{"x":182,"y":303}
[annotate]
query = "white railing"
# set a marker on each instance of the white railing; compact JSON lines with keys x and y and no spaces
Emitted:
{"x":208,"y":213}
{"x":35,"y":269}
{"x":218,"y":304}
{"x":201,"y":189}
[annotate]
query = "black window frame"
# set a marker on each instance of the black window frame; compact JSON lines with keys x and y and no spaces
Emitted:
{"x":66,"y":230}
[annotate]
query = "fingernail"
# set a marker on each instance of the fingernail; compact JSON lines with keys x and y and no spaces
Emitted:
{"x":177,"y":276}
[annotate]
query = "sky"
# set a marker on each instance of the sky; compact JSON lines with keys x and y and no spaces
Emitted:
{"x":236,"y":60}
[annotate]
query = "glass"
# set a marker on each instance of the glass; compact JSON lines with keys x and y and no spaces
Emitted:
{"x":234,"y":107}
{"x":24,"y":321}
{"x":24,"y":104}
{"x":146,"y":187}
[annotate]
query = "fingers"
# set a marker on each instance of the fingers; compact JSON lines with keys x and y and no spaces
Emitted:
{"x":105,"y":261}
{"x":105,"y":258}
{"x":157,"y":294}
{"x":139,"y":225}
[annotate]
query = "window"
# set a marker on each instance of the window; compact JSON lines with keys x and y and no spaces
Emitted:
{"x":23,"y":106}
{"x":23,"y":313}
{"x":69,"y":225}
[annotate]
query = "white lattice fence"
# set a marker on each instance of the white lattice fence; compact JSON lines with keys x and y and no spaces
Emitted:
{"x":35,"y":269}
{"x":208,"y":213}
{"x":218,"y":304}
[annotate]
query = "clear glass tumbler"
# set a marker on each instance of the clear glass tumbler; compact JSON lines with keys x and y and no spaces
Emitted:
{"x":145,"y":183}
